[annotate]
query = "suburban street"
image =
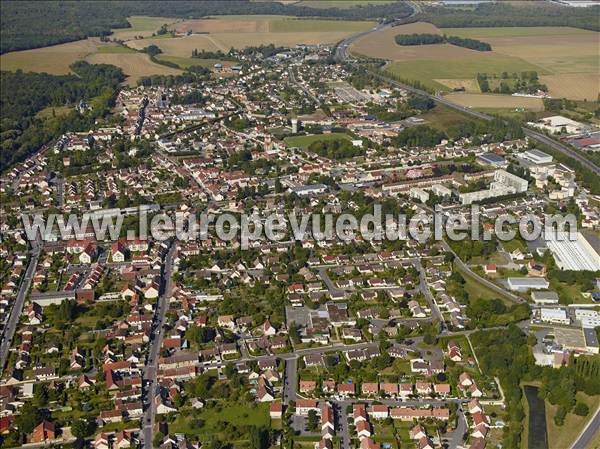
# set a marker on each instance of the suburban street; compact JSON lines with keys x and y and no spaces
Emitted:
{"x":150,"y":371}
{"x":17,"y":308}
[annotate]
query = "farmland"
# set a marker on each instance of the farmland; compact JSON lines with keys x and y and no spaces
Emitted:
{"x":565,"y":58}
{"x":220,"y":33}
{"x":224,"y":32}
{"x":135,"y":65}
{"x":495,"y":101}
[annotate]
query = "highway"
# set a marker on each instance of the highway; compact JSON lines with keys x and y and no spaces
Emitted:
{"x":17,"y":308}
{"x":150,"y":370}
{"x":342,"y":54}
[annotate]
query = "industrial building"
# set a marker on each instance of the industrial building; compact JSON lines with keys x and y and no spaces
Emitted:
{"x":527,"y":283}
{"x":492,"y":160}
{"x":544,"y":298}
{"x":537,"y":157}
{"x":573,"y":254}
{"x":554,"y":316}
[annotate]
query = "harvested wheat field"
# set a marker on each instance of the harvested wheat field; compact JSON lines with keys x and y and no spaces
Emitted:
{"x":180,"y":46}
{"x":55,"y":59}
{"x":495,"y":101}
{"x":141,"y":26}
{"x":134,"y":65}
{"x":576,"y":86}
{"x":223,"y":26}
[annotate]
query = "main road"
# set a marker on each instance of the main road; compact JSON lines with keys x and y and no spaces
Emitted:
{"x":156,"y":336}
{"x":342,"y":54}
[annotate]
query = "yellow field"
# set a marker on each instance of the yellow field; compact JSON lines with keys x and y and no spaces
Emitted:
{"x":495,"y":101}
{"x":55,"y":59}
{"x":567,"y":59}
{"x":141,"y":26}
{"x":577,"y":86}
{"x":135,"y":65}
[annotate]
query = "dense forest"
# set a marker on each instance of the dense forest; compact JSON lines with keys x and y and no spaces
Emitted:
{"x":479,"y":131}
{"x":472,"y":44}
{"x":31,"y":24}
{"x":504,"y":14}
{"x":428,"y":39}
{"x":419,"y":39}
{"x":335,"y":149}
{"x":512,"y":362}
{"x":23,"y":95}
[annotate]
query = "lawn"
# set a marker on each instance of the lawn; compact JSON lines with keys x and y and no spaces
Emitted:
{"x":233,"y":413}
{"x":563,"y":436}
{"x":305,"y":141}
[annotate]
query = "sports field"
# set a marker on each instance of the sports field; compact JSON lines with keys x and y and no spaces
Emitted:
{"x":305,"y":141}
{"x":567,"y":59}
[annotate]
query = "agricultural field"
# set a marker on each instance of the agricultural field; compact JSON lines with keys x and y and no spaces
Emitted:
{"x":55,"y":59}
{"x":141,"y":26}
{"x":224,"y":32}
{"x":476,"y":101}
{"x":566,"y":59}
{"x":184,"y":63}
{"x":341,"y":4}
{"x":135,"y":65}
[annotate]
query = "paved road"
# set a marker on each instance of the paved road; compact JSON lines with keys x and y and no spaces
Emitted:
{"x":150,"y":370}
{"x":290,"y":380}
{"x":342,"y":54}
{"x":17,"y":308}
{"x":586,"y":435}
{"x":461,"y":428}
{"x":508,"y":295}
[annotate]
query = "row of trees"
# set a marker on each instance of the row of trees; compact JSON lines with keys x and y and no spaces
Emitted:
{"x":428,"y":39}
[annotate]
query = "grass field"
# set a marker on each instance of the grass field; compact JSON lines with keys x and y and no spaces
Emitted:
{"x":55,"y":111}
{"x":563,"y":436}
{"x":429,"y":70}
{"x":305,"y":141}
{"x":567,"y":59}
{"x":115,"y":49}
{"x":234,"y":414}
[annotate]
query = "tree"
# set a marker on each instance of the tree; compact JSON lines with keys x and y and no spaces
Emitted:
{"x":313,"y":421}
{"x":29,"y":418}
{"x":158,"y":439}
{"x":82,"y":428}
{"x":259,"y":438}
{"x":581,"y":409}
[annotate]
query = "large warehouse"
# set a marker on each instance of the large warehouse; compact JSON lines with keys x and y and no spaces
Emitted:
{"x":576,"y":254}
